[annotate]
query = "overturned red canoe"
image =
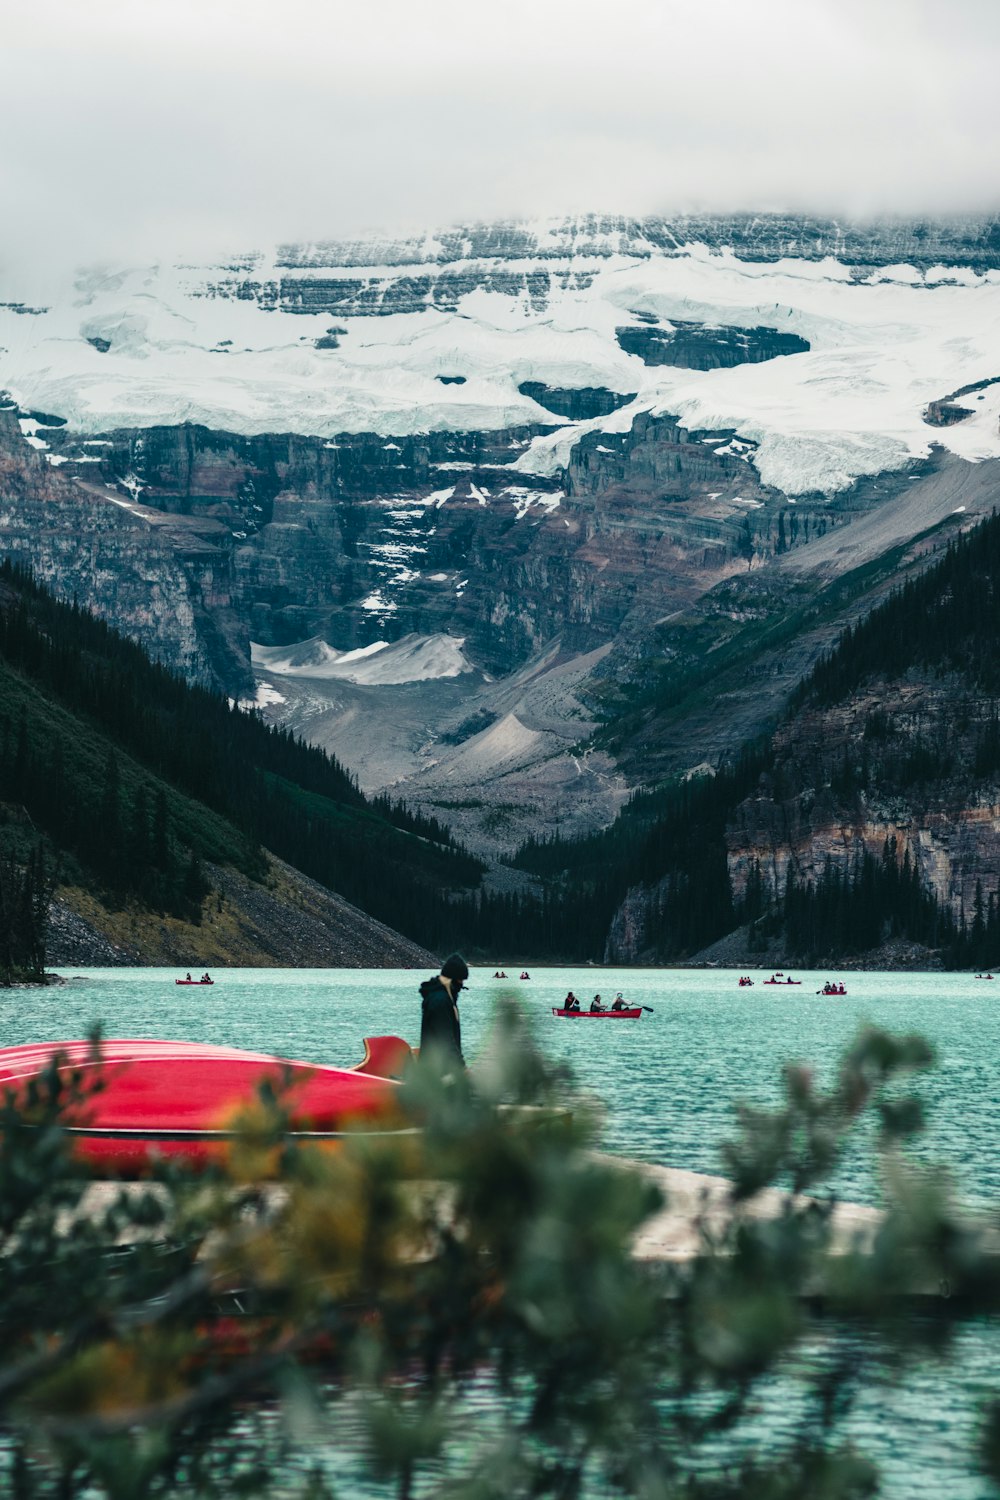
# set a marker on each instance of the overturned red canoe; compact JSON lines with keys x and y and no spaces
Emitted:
{"x":182,"y":1099}
{"x":631,"y":1014}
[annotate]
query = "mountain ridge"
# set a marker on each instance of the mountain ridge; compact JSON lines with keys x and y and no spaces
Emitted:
{"x":647,"y":446}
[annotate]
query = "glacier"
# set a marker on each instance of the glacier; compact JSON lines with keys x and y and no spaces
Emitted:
{"x":335,"y":340}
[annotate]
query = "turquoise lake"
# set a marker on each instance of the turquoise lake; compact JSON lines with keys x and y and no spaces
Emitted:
{"x":667,"y":1082}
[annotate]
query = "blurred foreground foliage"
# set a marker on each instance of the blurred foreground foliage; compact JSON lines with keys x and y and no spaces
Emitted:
{"x":460,"y":1306}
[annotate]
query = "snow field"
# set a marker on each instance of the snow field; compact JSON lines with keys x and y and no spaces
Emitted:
{"x":881,"y":349}
{"x":414,"y":658}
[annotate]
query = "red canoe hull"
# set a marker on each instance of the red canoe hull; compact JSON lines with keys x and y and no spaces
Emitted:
{"x":183,"y":1099}
{"x":195,"y":982}
{"x":632,"y":1014}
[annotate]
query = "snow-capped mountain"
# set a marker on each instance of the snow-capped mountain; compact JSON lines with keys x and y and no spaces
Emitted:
{"x":461,"y":473}
{"x":464,"y":331}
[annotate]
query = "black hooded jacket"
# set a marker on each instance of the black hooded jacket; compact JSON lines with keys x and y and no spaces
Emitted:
{"x":440,"y":1028}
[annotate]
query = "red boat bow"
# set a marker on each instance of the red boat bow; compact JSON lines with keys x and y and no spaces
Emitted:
{"x":183,"y":1099}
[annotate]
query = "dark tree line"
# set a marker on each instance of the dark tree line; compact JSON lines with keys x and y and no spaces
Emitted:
{"x":670,"y":846}
{"x":268,"y":785}
{"x":127,"y":842}
{"x":25,"y":892}
{"x":850,"y":911}
{"x":946,"y":620}
{"x":191,"y":737}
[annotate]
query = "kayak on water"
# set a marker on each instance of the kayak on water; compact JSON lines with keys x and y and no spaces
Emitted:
{"x":183,"y":1100}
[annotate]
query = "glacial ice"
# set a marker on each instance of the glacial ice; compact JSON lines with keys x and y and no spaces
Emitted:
{"x":882,"y":346}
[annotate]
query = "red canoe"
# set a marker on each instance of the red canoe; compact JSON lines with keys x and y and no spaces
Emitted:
{"x":632,"y":1014}
{"x":194,"y":981}
{"x":782,"y":981}
{"x":181,"y":1099}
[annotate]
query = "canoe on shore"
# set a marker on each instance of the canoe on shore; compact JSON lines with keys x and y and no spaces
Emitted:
{"x":184,"y":1100}
{"x":631,"y":1014}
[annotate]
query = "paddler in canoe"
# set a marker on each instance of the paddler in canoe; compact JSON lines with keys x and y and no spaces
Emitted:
{"x":597,"y":1004}
{"x":619,"y":1003}
{"x":571,"y":1002}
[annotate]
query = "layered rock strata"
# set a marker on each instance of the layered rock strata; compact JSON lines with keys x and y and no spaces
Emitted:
{"x":168,"y":581}
{"x":699,"y":346}
{"x":900,"y":762}
{"x":367,"y":538}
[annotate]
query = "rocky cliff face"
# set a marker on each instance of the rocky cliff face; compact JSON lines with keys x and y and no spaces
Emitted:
{"x":549,"y":437}
{"x":697,"y":346}
{"x":286,"y":537}
{"x":972,"y":241}
{"x":911,"y":764}
{"x":166,"y":581}
{"x":902,"y":761}
{"x":577,"y":404}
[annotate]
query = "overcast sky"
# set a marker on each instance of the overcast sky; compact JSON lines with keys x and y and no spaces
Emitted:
{"x":144,"y":127}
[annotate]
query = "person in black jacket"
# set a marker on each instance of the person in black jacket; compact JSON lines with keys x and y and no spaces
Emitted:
{"x":440,"y":1027}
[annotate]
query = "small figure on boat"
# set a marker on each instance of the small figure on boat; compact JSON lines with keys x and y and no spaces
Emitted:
{"x":187,"y":978}
{"x":571,"y":1002}
{"x":440,"y":1027}
{"x":205,"y":978}
{"x":525,"y":974}
{"x":618,"y":1003}
{"x":596,"y":1003}
{"x":745,"y":980}
{"x":834,"y":987}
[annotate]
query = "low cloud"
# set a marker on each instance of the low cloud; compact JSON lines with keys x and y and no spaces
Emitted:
{"x":153,"y":129}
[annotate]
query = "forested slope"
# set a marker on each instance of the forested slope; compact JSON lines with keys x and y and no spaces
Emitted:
{"x":872,"y":815}
{"x":132,"y":780}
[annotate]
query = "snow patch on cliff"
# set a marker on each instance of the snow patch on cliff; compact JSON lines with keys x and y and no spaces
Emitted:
{"x":414,"y":658}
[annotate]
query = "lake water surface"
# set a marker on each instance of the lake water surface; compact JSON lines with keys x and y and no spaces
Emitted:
{"x":667,"y":1081}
